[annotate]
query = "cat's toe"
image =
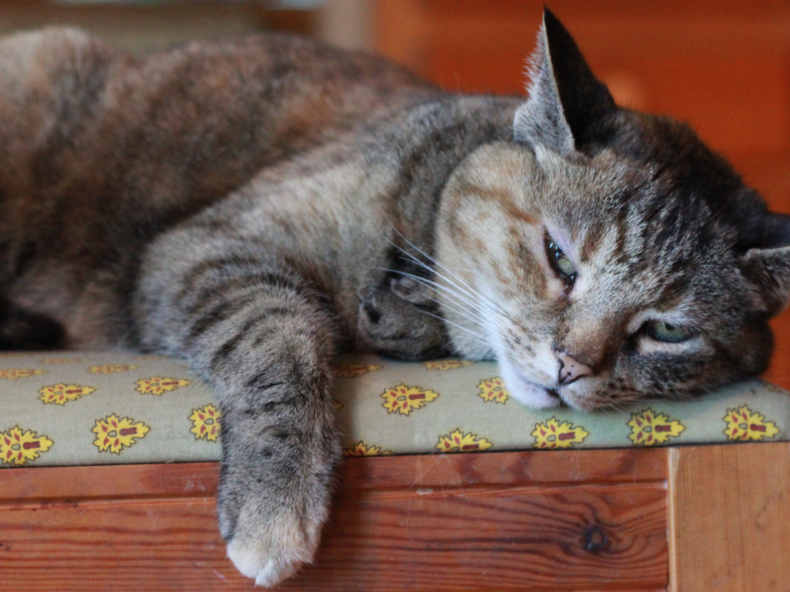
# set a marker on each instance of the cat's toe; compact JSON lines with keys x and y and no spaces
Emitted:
{"x":254,"y":562}
{"x":275,"y":551}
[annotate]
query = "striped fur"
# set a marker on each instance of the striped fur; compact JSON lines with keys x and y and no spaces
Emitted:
{"x":254,"y":207}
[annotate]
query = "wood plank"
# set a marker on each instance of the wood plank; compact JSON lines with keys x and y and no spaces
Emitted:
{"x":545,"y":539}
{"x":729,"y":518}
{"x":476,"y":540}
{"x":505,"y":521}
{"x":399,"y":472}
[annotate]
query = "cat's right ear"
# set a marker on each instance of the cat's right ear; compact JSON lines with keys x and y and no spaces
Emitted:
{"x":768,"y":268}
{"x":568,"y":107}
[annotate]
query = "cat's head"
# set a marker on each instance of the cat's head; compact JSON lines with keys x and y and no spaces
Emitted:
{"x":606,"y":255}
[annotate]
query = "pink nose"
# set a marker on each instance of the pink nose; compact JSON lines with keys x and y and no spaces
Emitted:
{"x":571,"y":370}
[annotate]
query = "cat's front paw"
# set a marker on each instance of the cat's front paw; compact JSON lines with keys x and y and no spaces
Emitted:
{"x":273,"y":548}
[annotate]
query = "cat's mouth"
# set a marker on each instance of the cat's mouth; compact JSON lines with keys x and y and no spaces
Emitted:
{"x":555,"y":394}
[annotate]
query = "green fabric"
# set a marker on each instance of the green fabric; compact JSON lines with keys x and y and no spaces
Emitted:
{"x":99,"y":408}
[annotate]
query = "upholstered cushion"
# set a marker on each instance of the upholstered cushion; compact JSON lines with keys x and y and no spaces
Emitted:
{"x":77,"y":408}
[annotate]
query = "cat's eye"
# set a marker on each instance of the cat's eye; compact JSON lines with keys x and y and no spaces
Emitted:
{"x":559,"y":262}
{"x":668,"y":332}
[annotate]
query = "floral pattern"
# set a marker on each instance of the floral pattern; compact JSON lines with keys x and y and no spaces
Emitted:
{"x":404,"y":399}
{"x":744,"y":424}
{"x":205,"y":423}
{"x":446,"y":365}
{"x":111,"y":368}
{"x":347,"y":370}
{"x":157,"y":385}
{"x":48,"y":405}
{"x":556,"y":434}
{"x":17,"y":373}
{"x":362,"y":449}
{"x":458,"y":441}
{"x":649,"y":428}
{"x":492,"y":390}
{"x":61,"y":360}
{"x":114,"y":434}
{"x":60,"y":394}
{"x":17,"y":447}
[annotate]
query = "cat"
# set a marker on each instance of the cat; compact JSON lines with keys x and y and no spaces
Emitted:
{"x":256,"y":206}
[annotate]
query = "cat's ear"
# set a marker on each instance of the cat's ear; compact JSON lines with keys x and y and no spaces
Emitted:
{"x":769,"y":268}
{"x":568,"y":107}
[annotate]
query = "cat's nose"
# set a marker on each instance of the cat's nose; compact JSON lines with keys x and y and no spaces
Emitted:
{"x":571,"y":370}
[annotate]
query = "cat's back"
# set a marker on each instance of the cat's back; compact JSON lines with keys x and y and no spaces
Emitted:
{"x":88,"y":132}
{"x":101,"y":151}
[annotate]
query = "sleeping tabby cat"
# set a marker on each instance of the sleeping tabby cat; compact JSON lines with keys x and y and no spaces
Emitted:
{"x":254,"y":207}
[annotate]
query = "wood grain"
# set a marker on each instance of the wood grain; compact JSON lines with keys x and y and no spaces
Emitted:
{"x":398,"y":472}
{"x":565,"y":520}
{"x":729,"y":518}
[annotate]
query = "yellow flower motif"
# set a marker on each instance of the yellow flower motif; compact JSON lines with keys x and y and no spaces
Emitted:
{"x":17,"y":447}
{"x":554,"y":434}
{"x":60,"y":394}
{"x":205,"y":422}
{"x":15,"y":373}
{"x":362,"y":449}
{"x":157,"y":385}
{"x":403,"y":399}
{"x":353,"y":370}
{"x":459,"y":442}
{"x":115,"y":434}
{"x":744,"y":424}
{"x":446,"y":365}
{"x":649,"y":428}
{"x":493,"y":389}
{"x":61,"y":360}
{"x":112,"y":368}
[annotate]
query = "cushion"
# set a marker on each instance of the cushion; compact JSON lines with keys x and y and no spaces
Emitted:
{"x":76,"y":408}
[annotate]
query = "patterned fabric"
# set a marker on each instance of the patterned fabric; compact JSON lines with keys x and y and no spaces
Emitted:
{"x":70,"y":409}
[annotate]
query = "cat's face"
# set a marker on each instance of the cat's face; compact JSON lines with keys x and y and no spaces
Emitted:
{"x":606,"y":256}
{"x":600,"y":264}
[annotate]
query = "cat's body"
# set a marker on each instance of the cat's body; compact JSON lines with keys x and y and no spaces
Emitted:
{"x":254,"y":207}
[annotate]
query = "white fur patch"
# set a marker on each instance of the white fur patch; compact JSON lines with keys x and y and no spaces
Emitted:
{"x":529,"y":394}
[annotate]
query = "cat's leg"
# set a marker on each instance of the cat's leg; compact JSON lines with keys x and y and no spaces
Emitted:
{"x":249,"y":326}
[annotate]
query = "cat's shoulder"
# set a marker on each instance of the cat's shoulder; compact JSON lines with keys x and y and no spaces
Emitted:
{"x":48,"y":50}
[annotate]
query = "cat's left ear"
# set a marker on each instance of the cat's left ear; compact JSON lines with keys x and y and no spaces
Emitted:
{"x":568,"y":107}
{"x":769,"y":268}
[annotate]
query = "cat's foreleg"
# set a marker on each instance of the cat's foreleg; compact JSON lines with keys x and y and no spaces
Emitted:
{"x":264,"y":345}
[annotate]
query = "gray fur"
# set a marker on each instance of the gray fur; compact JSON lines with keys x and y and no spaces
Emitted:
{"x":255,"y":207}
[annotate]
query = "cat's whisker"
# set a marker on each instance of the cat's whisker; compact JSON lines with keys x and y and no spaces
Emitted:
{"x":614,"y":407}
{"x":453,"y":298}
{"x":465,"y":313}
{"x":461,"y":310}
{"x":473,"y":308}
{"x":440,"y":265}
{"x":435,"y":272}
{"x":482,"y":339}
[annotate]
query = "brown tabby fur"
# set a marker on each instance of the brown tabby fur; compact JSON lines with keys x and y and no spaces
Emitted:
{"x":256,"y":206}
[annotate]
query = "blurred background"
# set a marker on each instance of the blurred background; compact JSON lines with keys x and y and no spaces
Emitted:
{"x":722,"y":65}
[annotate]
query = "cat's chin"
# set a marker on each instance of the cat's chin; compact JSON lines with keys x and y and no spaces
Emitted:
{"x":527,"y":392}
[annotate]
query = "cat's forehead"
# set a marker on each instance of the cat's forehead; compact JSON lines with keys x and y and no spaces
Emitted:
{"x":638,"y":227}
{"x":660,"y":208}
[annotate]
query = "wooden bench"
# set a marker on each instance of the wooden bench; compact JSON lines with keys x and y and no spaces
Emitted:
{"x":684,"y":518}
